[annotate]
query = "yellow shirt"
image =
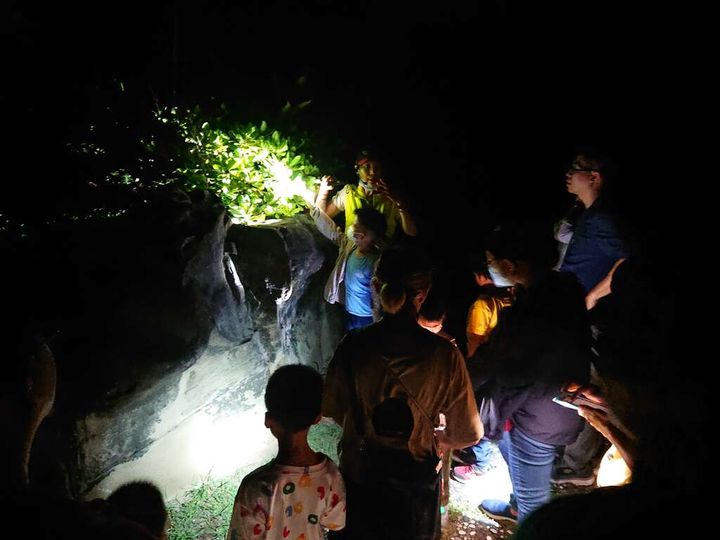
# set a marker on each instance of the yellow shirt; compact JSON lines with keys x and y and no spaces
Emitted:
{"x":352,"y":197}
{"x":483,"y":315}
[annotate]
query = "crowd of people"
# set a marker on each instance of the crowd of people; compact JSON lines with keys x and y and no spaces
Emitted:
{"x":581,"y":313}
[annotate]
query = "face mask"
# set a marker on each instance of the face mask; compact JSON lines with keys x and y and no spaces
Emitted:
{"x":498,"y":279}
{"x":369,"y":188}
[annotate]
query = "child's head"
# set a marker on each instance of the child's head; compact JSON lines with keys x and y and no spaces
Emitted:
{"x":142,"y":503}
{"x":369,"y":228}
{"x":478,"y":264}
{"x":292,"y":399}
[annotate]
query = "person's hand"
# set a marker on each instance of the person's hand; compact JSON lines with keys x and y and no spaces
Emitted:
{"x":441,"y":438}
{"x":597,"y":419}
{"x":590,"y":301}
{"x":442,"y":441}
{"x":384,"y":189}
{"x":325,"y":188}
{"x":590,"y":391}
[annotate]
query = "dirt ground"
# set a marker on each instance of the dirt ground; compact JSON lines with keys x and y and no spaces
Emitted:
{"x":464,"y":521}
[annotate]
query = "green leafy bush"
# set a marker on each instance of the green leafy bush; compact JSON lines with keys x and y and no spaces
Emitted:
{"x":258,"y":173}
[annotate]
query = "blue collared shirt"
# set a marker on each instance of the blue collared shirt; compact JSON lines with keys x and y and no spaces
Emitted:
{"x":596,"y":245}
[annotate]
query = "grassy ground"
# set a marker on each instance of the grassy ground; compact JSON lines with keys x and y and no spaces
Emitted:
{"x":203,"y":512}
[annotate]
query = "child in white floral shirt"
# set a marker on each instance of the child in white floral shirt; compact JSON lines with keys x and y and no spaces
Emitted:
{"x":300,"y":492}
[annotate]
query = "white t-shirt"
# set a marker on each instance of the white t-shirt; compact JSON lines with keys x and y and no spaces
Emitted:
{"x":288,"y":503}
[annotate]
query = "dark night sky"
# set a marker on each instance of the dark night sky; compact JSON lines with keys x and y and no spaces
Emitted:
{"x":477,"y":105}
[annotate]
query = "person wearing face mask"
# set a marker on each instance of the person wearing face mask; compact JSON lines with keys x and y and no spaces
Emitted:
{"x":483,"y":317}
{"x":485,"y":311}
{"x":371,"y":191}
{"x":541,"y":343}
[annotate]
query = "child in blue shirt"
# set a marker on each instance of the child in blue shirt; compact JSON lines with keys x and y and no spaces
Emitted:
{"x":350,"y":280}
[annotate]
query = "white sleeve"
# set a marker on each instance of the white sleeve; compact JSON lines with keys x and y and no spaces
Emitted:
{"x":247,"y":523}
{"x":334,"y":516}
{"x":563,"y":231}
{"x":326,"y":226}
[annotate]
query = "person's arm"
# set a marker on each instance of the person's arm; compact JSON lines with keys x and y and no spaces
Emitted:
{"x":407,"y":222}
{"x":326,"y":226}
{"x":335,"y":206}
{"x":323,"y":192}
{"x":446,"y":442}
{"x":464,"y":427}
{"x":625,"y":444}
{"x":332,"y":210}
{"x":473,"y":342}
{"x":478,"y":325}
{"x":603,"y":288}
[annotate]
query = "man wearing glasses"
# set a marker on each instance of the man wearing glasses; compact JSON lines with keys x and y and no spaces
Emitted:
{"x":597,"y":247}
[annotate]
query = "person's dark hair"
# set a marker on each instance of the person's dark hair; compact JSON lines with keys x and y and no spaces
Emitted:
{"x":142,"y":503}
{"x":434,"y":308}
{"x":372,"y":219}
{"x":478,"y":264}
{"x":293,"y":396}
{"x":404,"y":272}
{"x":526,"y":242}
{"x":600,"y":160}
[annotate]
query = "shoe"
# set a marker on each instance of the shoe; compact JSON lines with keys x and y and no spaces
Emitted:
{"x":566,"y":475}
{"x":465,"y":473}
{"x":498,"y":510}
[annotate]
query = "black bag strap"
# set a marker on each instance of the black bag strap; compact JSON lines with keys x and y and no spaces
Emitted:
{"x":391,"y":371}
{"x":386,"y":364}
{"x":358,"y":415}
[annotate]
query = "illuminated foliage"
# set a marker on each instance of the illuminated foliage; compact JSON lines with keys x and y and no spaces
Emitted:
{"x":258,"y":173}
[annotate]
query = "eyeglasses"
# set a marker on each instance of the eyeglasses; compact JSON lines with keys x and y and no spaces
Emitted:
{"x":577,"y":168}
